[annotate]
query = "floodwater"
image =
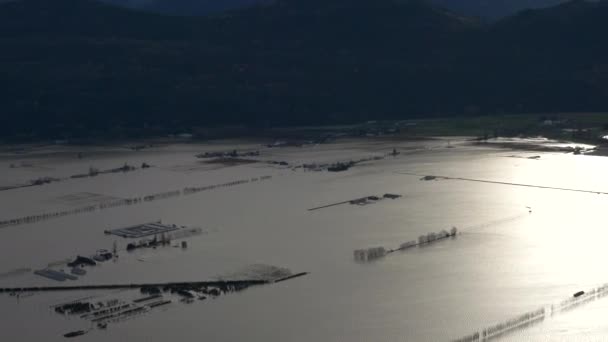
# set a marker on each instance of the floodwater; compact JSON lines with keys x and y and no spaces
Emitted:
{"x":507,"y":260}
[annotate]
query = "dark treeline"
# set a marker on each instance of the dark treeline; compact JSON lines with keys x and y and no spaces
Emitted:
{"x":74,"y":68}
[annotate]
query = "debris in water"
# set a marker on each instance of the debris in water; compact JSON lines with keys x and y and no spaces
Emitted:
{"x":75,"y":333}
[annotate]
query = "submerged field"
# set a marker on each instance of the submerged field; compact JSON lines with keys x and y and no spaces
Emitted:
{"x":518,"y":249}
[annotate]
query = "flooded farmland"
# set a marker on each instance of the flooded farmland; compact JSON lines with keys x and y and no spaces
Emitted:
{"x":508,"y":272}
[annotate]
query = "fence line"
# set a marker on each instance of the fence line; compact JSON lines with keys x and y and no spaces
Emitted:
{"x":433,"y":177}
{"x":124,"y":202}
{"x":529,"y":318}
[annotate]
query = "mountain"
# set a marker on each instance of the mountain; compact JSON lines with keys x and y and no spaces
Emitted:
{"x":87,"y":18}
{"x":81,"y":63}
{"x":80,"y":67}
{"x":556,"y":56}
{"x":487,"y":9}
{"x":187,"y":7}
{"x":494,"y":9}
{"x":358,"y":24}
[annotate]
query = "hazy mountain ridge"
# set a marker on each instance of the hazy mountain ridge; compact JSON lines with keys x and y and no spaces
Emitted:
{"x":493,"y":9}
{"x":487,"y":9}
{"x":490,"y":9}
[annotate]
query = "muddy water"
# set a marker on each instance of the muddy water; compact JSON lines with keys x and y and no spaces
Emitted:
{"x":506,"y":260}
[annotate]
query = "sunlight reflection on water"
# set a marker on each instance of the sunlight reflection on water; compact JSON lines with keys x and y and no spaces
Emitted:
{"x":510,"y":262}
